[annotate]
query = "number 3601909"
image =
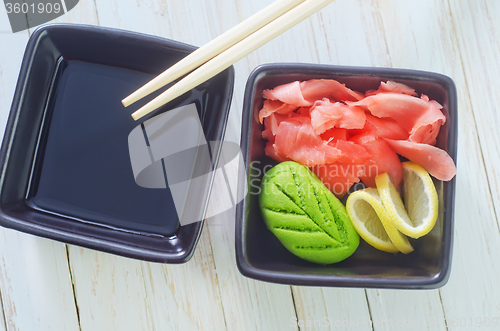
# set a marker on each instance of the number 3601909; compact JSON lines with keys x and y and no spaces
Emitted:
{"x":39,"y":8}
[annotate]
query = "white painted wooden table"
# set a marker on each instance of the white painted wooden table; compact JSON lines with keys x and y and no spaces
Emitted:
{"x":47,"y":285}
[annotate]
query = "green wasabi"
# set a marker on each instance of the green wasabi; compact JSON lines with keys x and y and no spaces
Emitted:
{"x":305,"y":216}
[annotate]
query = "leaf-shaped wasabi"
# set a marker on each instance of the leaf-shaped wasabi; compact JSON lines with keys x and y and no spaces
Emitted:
{"x":305,"y":216}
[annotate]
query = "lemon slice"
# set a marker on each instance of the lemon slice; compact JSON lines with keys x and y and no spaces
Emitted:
{"x":419,"y":214}
{"x":369,"y":218}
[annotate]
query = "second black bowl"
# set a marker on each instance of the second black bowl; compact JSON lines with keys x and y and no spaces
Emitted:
{"x":260,"y":255}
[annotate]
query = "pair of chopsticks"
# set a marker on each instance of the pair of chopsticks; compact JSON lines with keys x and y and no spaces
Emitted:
{"x":225,"y":50}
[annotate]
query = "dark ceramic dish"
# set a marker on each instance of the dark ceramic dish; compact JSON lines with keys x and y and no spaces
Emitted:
{"x":66,"y":172}
{"x":260,"y":255}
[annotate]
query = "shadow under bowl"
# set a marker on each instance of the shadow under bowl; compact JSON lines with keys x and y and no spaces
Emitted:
{"x":260,"y":255}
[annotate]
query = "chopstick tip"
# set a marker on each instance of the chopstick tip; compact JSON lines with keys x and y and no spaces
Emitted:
{"x":125,"y":102}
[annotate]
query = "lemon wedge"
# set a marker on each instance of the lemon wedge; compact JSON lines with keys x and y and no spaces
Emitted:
{"x":418,"y":215}
{"x":369,"y":218}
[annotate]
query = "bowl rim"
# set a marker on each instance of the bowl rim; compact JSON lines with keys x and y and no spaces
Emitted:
{"x":432,"y":282}
{"x":84,"y":239}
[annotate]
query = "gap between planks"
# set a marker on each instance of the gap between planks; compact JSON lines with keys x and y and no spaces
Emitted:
{"x":369,"y":308}
{"x":66,"y":248}
{"x":215,"y":270}
{"x":3,"y":316}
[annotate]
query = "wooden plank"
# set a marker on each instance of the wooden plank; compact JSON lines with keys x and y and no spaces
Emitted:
{"x":406,"y":33}
{"x":372,"y":36}
{"x":477,"y":27}
{"x":331,"y":308}
{"x":275,"y":302}
{"x":357,"y":48}
{"x":420,"y":36}
{"x":185,"y":21}
{"x":190,"y":304}
{"x":141,"y":16}
{"x":256,"y":305}
{"x":406,"y":310}
{"x":248,"y":304}
{"x":109,"y":291}
{"x":35,"y":286}
{"x":4,"y":23}
{"x":477,"y":259}
{"x":356,"y":38}
{"x":83,"y":13}
{"x":10,"y":62}
{"x":118,"y":293}
{"x":323,"y":39}
{"x":185,"y":297}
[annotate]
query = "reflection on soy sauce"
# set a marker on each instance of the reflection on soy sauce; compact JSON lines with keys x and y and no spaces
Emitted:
{"x":82,"y":169}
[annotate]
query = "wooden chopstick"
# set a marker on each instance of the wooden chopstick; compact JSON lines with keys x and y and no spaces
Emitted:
{"x":213,"y":48}
{"x":234,"y":53}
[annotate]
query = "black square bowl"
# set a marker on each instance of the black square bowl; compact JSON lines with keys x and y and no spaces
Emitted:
{"x":65,"y":167}
{"x":260,"y":255}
